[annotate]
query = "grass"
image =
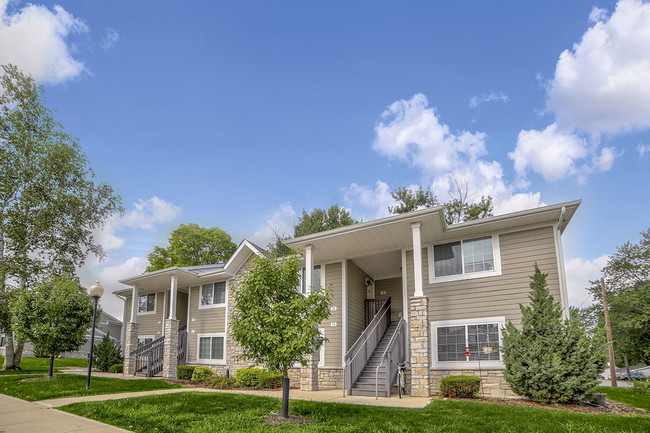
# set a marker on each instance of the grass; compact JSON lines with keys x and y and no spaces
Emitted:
{"x":74,"y":385}
{"x":222,"y":412}
{"x":627,"y":396}
{"x":41,"y":365}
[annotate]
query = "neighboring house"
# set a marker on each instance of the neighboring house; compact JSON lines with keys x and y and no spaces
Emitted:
{"x":406,"y":287}
{"x":106,"y":324}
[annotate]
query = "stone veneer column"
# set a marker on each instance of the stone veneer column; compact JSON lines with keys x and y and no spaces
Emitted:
{"x":309,"y":374}
{"x":170,"y":350}
{"x":419,"y":345}
{"x":130,"y":344}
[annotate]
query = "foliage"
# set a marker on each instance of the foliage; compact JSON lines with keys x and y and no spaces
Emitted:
{"x":220,"y":382}
{"x":202,"y":374}
{"x":550,"y":360}
{"x":627,"y":281}
{"x":409,"y":200}
{"x":320,"y":220}
{"x":258,"y":378}
{"x":234,"y":413}
{"x":641,"y":386}
{"x":460,"y":386}
{"x":55,"y":315}
{"x":50,"y":204}
{"x":278,"y":247}
{"x":106,"y":354}
{"x":116,"y":368}
{"x":184,"y":372}
{"x":190,"y":245}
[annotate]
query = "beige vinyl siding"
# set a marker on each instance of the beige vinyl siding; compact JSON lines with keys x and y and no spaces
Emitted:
{"x":393,"y":288}
{"x":203,"y":321}
{"x":497,"y":295}
{"x":356,"y":302}
{"x":333,"y":280}
{"x":181,"y":308}
{"x":149,"y":324}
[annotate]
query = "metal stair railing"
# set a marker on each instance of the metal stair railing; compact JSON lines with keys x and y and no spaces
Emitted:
{"x":182,"y":345}
{"x":395,"y":353}
{"x":149,"y":357}
{"x":357,"y":357}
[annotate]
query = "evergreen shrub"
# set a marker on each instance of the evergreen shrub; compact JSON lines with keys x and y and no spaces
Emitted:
{"x":106,"y":353}
{"x":460,"y":386}
{"x":184,"y":372}
{"x":116,"y":368}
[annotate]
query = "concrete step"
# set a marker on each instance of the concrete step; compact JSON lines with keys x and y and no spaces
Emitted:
{"x":367,"y":393}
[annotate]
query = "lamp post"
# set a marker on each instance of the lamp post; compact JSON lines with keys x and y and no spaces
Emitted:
{"x":96,"y":291}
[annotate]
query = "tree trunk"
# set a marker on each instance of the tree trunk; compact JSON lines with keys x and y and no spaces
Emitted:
{"x":18,"y":354}
{"x":285,"y":395}
{"x":50,"y":371}
{"x":13,"y":353}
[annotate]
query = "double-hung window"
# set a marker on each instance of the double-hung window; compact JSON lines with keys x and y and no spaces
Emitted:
{"x":144,"y":339}
{"x":213,"y":294}
{"x":147,"y":304}
{"x":457,"y":342}
{"x":315,"y":280}
{"x":467,"y":258}
{"x":211,"y":348}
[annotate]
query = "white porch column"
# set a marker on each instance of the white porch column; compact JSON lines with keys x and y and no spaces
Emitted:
{"x":417,"y":258}
{"x":134,"y":304}
{"x":173,"y":297}
{"x":309,"y":267}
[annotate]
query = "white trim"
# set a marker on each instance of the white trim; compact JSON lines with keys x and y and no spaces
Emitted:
{"x":210,"y":361}
{"x":134,"y":304}
{"x":496,"y":256}
{"x":417,"y":259}
{"x":321,"y":350}
{"x":405,"y":302}
{"x":155,"y":305}
{"x":344,"y":310}
{"x":219,"y":305}
{"x":559,"y":254}
{"x":187,"y":351}
{"x":164,"y":310}
{"x":465,"y":365}
{"x":309,"y":265}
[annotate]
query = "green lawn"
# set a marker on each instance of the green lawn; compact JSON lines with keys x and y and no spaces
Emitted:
{"x":221,"y":412}
{"x":41,"y":365}
{"x":74,"y":385}
{"x":626,"y":395}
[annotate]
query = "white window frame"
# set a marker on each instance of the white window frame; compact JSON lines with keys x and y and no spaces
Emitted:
{"x":322,"y":278}
{"x":155,"y":304}
{"x":143,"y":337}
{"x":220,"y":305}
{"x":210,"y":360}
{"x":466,"y":365}
{"x":496,"y":256}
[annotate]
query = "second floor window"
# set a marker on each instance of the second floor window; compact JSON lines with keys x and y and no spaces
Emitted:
{"x":213,"y":294}
{"x":463,"y":257}
{"x":315,"y":280}
{"x":147,"y":303}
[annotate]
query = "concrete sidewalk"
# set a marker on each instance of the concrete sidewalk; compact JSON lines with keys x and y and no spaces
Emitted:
{"x":330,"y":396}
{"x":19,"y":416}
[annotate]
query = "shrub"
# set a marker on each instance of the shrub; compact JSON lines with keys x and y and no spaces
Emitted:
{"x":550,"y":360}
{"x":270,"y":380}
{"x":223,"y":382}
{"x":184,"y":372}
{"x":641,"y":387}
{"x":460,"y":386}
{"x":106,"y":353}
{"x":202,"y":374}
{"x":116,"y":368}
{"x":249,"y":377}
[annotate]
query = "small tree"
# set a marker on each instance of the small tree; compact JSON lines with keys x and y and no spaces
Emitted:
{"x":106,"y":354}
{"x":55,"y":316}
{"x":550,"y":360}
{"x":273,"y":322}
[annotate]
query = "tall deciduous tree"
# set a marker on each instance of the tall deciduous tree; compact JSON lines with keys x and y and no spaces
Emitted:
{"x":190,"y":245}
{"x":54,"y":315}
{"x":50,"y":204}
{"x":273,"y":322}
{"x":320,"y":220}
{"x":409,"y":200}
{"x":549,"y":359}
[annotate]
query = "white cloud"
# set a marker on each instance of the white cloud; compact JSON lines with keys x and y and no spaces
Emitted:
{"x":492,"y":95}
{"x":34,"y":39}
{"x":597,"y":14}
{"x":369,"y":203}
{"x":110,"y":39}
{"x":578,"y":274}
{"x":643,"y":149}
{"x":601,"y":85}
{"x":280,"y":222}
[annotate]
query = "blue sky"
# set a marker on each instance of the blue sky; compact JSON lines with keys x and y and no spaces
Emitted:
{"x":241,"y":114}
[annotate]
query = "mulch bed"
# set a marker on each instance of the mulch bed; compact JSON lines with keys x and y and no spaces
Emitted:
{"x":611,"y":407}
{"x":275,"y":418}
{"x":193,"y":384}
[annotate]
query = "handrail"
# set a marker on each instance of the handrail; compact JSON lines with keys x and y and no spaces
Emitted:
{"x":397,"y":334}
{"x":366,"y":332}
{"x":147,"y":346}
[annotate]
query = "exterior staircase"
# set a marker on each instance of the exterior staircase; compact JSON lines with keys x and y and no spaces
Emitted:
{"x":370,"y":380}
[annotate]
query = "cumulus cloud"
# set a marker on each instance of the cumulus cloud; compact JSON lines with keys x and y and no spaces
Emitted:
{"x":35,"y":39}
{"x":643,"y":149}
{"x":601,"y":85}
{"x":110,"y":39}
{"x":579,"y":272}
{"x":492,"y":95}
{"x":279,"y":221}
{"x":369,"y":203}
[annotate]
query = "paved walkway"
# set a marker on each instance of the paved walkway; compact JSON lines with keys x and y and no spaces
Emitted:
{"x":19,"y":416}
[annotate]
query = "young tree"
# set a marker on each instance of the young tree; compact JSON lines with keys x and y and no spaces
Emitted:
{"x":106,"y":354}
{"x":320,"y":220}
{"x":50,"y":204}
{"x":55,"y":315}
{"x":273,"y":322}
{"x":190,"y":245}
{"x":550,"y":360}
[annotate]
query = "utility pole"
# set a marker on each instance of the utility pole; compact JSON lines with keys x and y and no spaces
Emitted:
{"x":612,"y":365}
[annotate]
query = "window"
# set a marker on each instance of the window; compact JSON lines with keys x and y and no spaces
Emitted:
{"x":465,"y":259}
{"x":2,"y":341}
{"x":211,"y":347}
{"x":213,"y":294}
{"x":477,"y":340}
{"x":315,"y":280}
{"x":144,"y":339}
{"x":147,"y":304}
